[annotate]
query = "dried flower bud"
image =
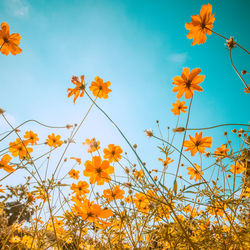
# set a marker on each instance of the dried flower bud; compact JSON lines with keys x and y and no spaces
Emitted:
{"x":234,"y":130}
{"x":179,"y":129}
{"x":157,"y":121}
{"x":68,"y":126}
{"x":126,"y":170}
{"x":122,"y":203}
{"x":128,"y":184}
{"x":230,"y":43}
{"x":155,"y":170}
{"x":225,"y":133}
{"x":135,"y":146}
{"x":130,"y":191}
{"x":228,"y":176}
{"x":65,"y":159}
{"x":207,"y":154}
{"x":155,"y":178}
{"x":1,"y":111}
{"x":243,"y":72}
{"x":241,"y":131}
{"x":182,"y":164}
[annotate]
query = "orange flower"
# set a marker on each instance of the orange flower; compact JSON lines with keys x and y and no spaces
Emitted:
{"x":4,"y":164}
{"x":166,"y":162}
{"x":247,"y":90}
{"x":91,"y":212}
{"x":141,"y":202}
{"x":78,"y":160}
{"x":139,"y":174}
{"x":54,"y":141}
{"x":238,"y":168}
{"x":93,"y":145}
{"x":79,"y":89}
{"x":19,"y":148}
{"x":112,"y":153}
{"x":1,"y":190}
{"x":187,"y":83}
{"x":197,"y":143}
{"x":74,"y":174}
{"x":179,"y":107}
{"x":195,"y":172}
{"x":32,"y":137}
{"x":100,"y":88}
{"x":221,"y":151}
{"x":9,"y":43}
{"x":201,"y":25}
{"x":116,"y":193}
{"x":41,"y":194}
{"x":98,"y":170}
{"x":81,"y":188}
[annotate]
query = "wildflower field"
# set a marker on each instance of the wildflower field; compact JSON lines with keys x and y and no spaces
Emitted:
{"x":61,"y":187}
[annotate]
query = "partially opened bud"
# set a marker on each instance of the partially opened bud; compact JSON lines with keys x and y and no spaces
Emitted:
{"x":179,"y":129}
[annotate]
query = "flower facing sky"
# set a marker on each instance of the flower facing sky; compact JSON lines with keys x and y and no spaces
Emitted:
{"x":99,"y":171}
{"x":99,"y":88}
{"x":9,"y":43}
{"x":187,"y":83}
{"x":197,"y":143}
{"x":201,"y":25}
{"x":79,"y":88}
{"x":179,"y":107}
{"x":112,"y":153}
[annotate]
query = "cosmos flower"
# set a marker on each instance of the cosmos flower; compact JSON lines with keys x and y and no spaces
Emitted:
{"x":201,"y":25}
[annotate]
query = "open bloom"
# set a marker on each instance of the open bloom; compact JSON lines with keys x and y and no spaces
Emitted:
{"x":114,"y":194}
{"x":221,"y":151}
{"x":179,"y":107}
{"x":54,"y":141}
{"x":138,"y":174}
{"x":187,"y":83}
{"x":201,"y":25}
{"x":81,"y":188}
{"x":4,"y":164}
{"x":99,"y":171}
{"x":90,"y":211}
{"x":195,"y":172}
{"x":94,"y":145}
{"x":141,"y":202}
{"x":9,"y":43}
{"x":79,"y":89}
{"x":31,"y":137}
{"x":197,"y":143}
{"x":100,"y":88}
{"x":112,"y":153}
{"x":238,"y":168}
{"x":74,"y":174}
{"x":166,"y":162}
{"x":19,"y":148}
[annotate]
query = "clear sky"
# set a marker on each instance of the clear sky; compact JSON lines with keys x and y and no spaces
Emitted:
{"x":137,"y":45}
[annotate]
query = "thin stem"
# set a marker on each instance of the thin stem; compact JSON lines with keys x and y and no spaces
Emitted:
{"x":184,"y":137}
{"x":237,"y":72}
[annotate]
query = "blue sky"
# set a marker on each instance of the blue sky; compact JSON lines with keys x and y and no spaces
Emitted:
{"x":137,"y":45}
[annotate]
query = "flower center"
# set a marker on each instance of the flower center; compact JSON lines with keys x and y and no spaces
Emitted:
{"x":188,"y":84}
{"x":98,"y":170}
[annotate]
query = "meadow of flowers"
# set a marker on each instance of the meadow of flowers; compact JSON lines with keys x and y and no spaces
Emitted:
{"x":114,"y":202}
